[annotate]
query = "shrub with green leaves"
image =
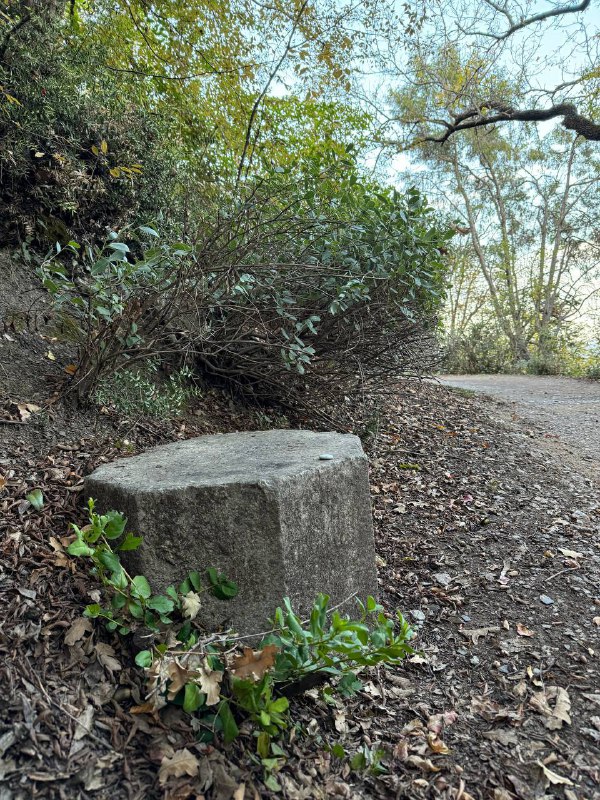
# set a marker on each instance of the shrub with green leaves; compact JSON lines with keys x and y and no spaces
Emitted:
{"x":141,"y":392}
{"x":120,"y":298}
{"x":213,"y":675}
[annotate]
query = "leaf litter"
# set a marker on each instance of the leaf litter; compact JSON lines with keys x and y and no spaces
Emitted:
{"x":468,"y":554}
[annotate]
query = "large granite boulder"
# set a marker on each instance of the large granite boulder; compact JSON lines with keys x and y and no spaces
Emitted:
{"x":282,"y":513}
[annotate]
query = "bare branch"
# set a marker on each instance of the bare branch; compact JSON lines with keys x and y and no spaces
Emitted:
{"x":559,"y":11}
{"x":478,"y":118}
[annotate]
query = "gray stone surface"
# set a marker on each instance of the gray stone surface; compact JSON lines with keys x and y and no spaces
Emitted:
{"x":262,"y":507}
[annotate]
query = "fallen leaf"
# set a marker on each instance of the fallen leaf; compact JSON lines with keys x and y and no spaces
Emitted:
{"x":84,"y":723}
{"x":77,"y":630}
{"x":492,"y":711}
{"x":71,"y":369}
{"x":504,"y":736}
{"x":438,"y":722}
{"x":596,"y":620}
{"x":149,"y":707}
{"x":570,"y":553}
{"x":554,"y":717}
{"x":2,"y":482}
{"x":553,"y":777}
{"x":400,"y":751}
{"x":181,"y":763}
{"x":340,"y":722}
{"x":502,"y":794}
{"x":475,"y":634}
{"x":253,"y":663}
{"x":191,"y":605}
{"x":106,"y":656}
{"x":178,"y":676}
{"x":240,"y":792}
{"x":424,"y":764}
{"x":210,"y":683}
{"x":522,"y":630}
{"x":26,"y":410}
{"x":437,"y":745}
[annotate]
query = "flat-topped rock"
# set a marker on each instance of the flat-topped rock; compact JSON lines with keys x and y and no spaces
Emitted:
{"x":282,"y":513}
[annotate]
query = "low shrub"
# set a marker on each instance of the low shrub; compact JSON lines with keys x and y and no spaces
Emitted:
{"x":142,"y":391}
{"x":286,"y":295}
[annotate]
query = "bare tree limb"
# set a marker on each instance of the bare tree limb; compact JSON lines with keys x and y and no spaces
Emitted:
{"x":478,"y":118}
{"x":559,"y":11}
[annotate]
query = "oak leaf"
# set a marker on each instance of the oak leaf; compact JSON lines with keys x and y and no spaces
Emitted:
{"x":554,"y":717}
{"x":181,"y":763}
{"x":77,"y":630}
{"x":106,"y":656}
{"x":253,"y":664}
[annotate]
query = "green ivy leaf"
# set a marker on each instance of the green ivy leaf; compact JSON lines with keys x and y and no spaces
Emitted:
{"x":118,"y":579}
{"x":118,"y":601}
{"x":160,"y":603}
{"x":144,"y":659}
{"x":79,"y":548}
{"x":114,"y":524}
{"x":92,"y":611}
{"x":140,"y":587}
{"x":130,"y":542}
{"x":222,"y":588}
{"x":36,"y":498}
{"x":194,"y":578}
{"x":192,"y":698}
{"x":135,"y":609}
{"x":262,"y":744}
{"x":230,"y":728}
{"x":272,"y":783}
{"x":110,"y":561}
{"x":279,"y":706}
{"x":349,"y":685}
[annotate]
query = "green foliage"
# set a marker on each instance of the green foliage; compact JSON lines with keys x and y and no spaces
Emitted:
{"x":130,"y":602}
{"x":208,"y":675}
{"x":77,"y":155}
{"x":137,"y":391}
{"x":375,"y":260}
{"x":118,"y":298}
{"x":334,"y":645}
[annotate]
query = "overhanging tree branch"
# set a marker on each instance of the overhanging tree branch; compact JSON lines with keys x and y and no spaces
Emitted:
{"x":497,"y":113}
{"x":559,"y":11}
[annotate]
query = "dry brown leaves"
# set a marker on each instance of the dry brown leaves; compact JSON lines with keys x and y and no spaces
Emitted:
{"x":253,"y":664}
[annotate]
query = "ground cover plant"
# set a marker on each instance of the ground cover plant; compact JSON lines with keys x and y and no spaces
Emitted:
{"x":217,"y":677}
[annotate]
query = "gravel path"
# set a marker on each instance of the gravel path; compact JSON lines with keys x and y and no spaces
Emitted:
{"x":564,"y":408}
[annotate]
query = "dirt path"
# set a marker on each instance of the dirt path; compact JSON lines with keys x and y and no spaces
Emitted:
{"x":562,"y":408}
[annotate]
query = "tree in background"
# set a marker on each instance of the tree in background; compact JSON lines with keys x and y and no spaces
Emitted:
{"x":525,"y":200}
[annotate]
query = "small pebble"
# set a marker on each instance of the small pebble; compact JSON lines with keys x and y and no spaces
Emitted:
{"x":418,"y":615}
{"x":326,"y":457}
{"x":547,"y":601}
{"x":475,"y":661}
